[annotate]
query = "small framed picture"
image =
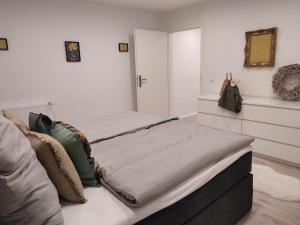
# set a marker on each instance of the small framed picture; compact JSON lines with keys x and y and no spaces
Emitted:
{"x":123,"y":47}
{"x":72,"y":51}
{"x":3,"y":44}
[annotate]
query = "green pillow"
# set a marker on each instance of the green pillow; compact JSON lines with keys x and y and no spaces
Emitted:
{"x":40,"y":123}
{"x":71,"y":142}
{"x":85,"y":143}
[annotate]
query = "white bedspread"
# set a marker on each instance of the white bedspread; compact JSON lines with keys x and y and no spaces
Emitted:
{"x":103,"y":208}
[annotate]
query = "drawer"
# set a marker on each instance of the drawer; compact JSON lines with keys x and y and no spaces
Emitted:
{"x":223,"y":123}
{"x":284,"y":117}
{"x":287,"y":135}
{"x":277,"y":150}
{"x":211,"y":107}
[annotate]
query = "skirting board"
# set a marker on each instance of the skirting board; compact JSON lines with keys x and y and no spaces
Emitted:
{"x":275,"y":159}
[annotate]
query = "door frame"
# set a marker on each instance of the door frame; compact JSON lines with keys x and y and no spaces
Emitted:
{"x":168,"y":66}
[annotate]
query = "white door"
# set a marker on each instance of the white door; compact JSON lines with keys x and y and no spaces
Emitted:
{"x":151,"y":61}
{"x":184,"y":68}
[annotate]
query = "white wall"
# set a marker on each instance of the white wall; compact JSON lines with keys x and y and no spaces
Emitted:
{"x":224,"y":23}
{"x":184,"y":71}
{"x":35,"y":67}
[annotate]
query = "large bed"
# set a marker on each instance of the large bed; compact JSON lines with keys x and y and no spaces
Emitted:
{"x":219,"y":194}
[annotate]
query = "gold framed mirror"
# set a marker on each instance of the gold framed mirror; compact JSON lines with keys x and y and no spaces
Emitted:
{"x":260,"y":49}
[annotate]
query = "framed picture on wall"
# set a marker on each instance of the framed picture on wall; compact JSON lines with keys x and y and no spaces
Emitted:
{"x":123,"y":47}
{"x":72,"y":51}
{"x":260,"y":49}
{"x":3,"y":44}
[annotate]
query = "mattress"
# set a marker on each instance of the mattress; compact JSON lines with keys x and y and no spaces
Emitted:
{"x":104,"y":208}
{"x":229,"y":195}
{"x":110,"y":125}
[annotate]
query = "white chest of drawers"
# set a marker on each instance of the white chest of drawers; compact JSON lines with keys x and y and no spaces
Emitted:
{"x":274,"y":123}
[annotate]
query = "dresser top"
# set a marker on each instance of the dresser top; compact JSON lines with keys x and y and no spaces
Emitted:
{"x":259,"y":101}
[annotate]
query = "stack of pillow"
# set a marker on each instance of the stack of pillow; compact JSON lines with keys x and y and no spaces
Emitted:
{"x":64,"y":152}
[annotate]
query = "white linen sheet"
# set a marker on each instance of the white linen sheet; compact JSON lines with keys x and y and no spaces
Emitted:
{"x":103,"y":208}
{"x":106,"y":126}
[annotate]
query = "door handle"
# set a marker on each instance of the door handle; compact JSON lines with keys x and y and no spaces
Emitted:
{"x":141,"y":80}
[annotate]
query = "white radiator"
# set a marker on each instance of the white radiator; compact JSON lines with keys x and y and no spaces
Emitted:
{"x":22,"y":111}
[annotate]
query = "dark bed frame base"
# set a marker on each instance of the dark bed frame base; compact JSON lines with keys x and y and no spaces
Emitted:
{"x":222,"y":201}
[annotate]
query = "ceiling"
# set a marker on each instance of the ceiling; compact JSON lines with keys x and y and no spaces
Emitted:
{"x":151,"y":5}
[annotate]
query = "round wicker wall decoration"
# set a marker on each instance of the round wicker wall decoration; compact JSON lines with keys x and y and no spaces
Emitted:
{"x":286,"y":82}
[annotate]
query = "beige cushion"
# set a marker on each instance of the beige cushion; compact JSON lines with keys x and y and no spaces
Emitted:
{"x":58,"y":165}
{"x":19,"y":123}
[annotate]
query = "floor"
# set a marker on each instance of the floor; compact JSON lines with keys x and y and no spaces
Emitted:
{"x":270,"y":211}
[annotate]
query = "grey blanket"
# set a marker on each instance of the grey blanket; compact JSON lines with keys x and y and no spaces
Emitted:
{"x":140,"y":166}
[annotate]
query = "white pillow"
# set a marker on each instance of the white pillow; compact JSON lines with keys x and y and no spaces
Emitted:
{"x":27,"y":196}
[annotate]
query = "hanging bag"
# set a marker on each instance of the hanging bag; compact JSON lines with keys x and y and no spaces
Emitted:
{"x":231,"y":98}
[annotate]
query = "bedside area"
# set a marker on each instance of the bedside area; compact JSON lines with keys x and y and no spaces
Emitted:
{"x":274,"y":123}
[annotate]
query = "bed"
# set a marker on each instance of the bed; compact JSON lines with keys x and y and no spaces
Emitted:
{"x":220,"y":194}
